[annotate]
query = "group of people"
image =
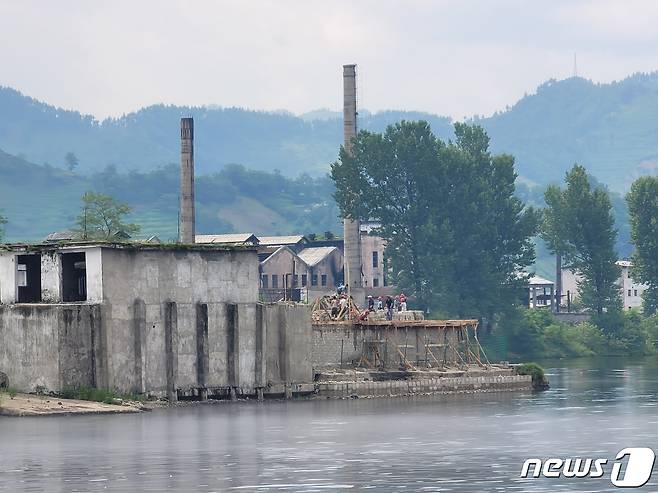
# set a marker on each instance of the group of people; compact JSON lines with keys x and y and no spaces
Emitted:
{"x":398,"y":303}
{"x":339,"y":306}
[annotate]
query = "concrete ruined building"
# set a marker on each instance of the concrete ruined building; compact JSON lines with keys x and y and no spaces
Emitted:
{"x":152,"y":319}
{"x":351,"y":229}
{"x":187,"y":218}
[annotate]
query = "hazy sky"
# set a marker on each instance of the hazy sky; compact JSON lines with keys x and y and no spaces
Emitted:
{"x":448,"y":57}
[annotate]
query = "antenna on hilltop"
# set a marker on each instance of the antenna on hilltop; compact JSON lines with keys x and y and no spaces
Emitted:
{"x":575,"y":65}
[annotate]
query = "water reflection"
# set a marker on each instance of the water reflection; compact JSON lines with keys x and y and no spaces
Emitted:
{"x":443,"y":443}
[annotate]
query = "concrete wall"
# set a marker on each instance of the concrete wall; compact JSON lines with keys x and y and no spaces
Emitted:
{"x":7,"y":277}
{"x":488,"y":383}
{"x":181,"y":297}
{"x":341,"y":343}
{"x":289,"y":343}
{"x":50,"y":346}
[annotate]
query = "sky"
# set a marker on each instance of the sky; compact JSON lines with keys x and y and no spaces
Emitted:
{"x":456,"y":58}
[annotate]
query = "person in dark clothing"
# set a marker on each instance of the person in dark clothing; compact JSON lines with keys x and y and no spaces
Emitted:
{"x":389,"y":308}
{"x":371,"y":303}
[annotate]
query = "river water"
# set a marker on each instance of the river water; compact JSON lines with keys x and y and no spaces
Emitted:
{"x":465,"y":443}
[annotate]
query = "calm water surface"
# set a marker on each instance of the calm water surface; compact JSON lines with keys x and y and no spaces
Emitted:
{"x":467,"y":443}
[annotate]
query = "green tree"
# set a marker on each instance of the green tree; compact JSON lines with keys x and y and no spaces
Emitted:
{"x":457,"y":237}
{"x":3,"y":221}
{"x":643,"y":209}
{"x":554,"y":233}
{"x":102,"y":217}
{"x":71,"y":161}
{"x":590,"y":237}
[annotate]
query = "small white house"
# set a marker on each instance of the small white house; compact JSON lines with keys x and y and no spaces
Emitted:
{"x":630,"y":290}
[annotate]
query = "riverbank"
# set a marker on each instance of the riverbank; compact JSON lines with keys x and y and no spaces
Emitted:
{"x":42,"y":405}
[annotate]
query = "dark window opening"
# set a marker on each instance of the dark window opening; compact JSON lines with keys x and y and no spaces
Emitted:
{"x":375,"y":259}
{"x":74,"y":277}
{"x":304,"y":280}
{"x":275,"y":280}
{"x":29,"y":278}
{"x":295,"y":280}
{"x":314,"y":280}
{"x":264,"y":281}
{"x":324,"y":279}
{"x":375,"y":282}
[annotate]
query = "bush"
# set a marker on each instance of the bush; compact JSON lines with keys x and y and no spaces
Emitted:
{"x":536,"y":372}
{"x":537,"y":333}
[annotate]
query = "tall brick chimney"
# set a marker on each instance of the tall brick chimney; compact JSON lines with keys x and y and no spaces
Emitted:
{"x":186,"y":219}
{"x":351,"y":233}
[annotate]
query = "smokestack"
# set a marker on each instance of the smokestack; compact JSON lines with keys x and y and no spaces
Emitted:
{"x":186,"y":219}
{"x":351,"y":233}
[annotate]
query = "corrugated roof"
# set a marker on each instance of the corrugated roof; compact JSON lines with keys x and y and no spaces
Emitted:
{"x":236,"y":238}
{"x":60,"y":236}
{"x":314,"y":255}
{"x":280,"y":240}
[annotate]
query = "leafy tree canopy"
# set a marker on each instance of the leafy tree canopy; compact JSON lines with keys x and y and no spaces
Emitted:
{"x":643,"y":209}
{"x":102,"y":217}
{"x":71,"y":161}
{"x":457,"y":236}
{"x":580,"y":223}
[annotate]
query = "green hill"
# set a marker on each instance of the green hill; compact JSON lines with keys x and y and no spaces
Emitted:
{"x":612,"y":129}
{"x":40,"y":199}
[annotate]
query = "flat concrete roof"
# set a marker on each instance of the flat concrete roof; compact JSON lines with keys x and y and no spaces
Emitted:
{"x":127,"y":245}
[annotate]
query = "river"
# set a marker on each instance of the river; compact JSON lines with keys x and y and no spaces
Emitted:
{"x":465,"y":443}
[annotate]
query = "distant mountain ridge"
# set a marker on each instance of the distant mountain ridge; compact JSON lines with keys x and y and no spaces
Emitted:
{"x":612,"y":129}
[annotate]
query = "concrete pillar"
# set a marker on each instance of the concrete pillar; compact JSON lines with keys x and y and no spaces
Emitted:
{"x":232,"y":345}
{"x":284,"y":360}
{"x":171,"y":349}
{"x":259,"y":370}
{"x":534,"y":297}
{"x":186,"y":220}
{"x":51,"y":277}
{"x":202,"y":354}
{"x":351,"y":228}
{"x":139,"y":340}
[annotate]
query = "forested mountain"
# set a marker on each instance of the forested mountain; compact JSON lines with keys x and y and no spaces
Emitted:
{"x":612,"y":129}
{"x":39,"y":199}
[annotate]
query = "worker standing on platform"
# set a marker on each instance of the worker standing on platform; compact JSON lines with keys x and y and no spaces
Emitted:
{"x":389,"y":308}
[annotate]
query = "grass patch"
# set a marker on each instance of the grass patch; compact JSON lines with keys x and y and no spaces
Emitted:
{"x":11,"y":391}
{"x":106,"y":396}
